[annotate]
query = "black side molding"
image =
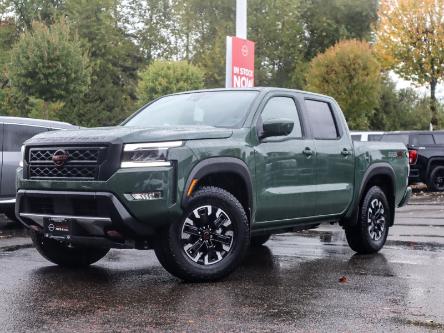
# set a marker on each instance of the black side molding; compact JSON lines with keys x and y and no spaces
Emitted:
{"x":376,"y":169}
{"x":216,"y":165}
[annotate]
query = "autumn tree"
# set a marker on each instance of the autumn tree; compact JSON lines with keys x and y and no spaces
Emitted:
{"x":410,"y":40}
{"x":350,"y":73}
{"x":166,"y":77}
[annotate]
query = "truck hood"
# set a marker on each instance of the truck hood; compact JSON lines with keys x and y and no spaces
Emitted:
{"x":122,"y":134}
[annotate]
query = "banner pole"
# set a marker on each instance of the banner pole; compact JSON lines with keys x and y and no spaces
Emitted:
{"x":241,"y":19}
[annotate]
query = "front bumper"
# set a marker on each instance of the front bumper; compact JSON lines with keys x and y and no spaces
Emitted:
{"x":406,"y":197}
{"x":93,"y":214}
{"x":153,"y":213}
{"x":96,"y":207}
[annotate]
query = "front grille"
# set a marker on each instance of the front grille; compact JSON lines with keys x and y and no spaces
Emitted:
{"x":88,"y":155}
{"x":80,"y":163}
{"x":84,"y":172}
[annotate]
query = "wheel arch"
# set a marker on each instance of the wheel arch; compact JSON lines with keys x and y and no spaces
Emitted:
{"x":222,"y":172}
{"x":378,"y":174}
{"x":432,"y":163}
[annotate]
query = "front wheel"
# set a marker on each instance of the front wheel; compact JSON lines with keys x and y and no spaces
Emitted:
{"x":209,"y":241}
{"x":371,"y":230}
{"x":61,"y":254}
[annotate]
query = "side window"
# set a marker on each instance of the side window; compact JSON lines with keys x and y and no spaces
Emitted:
{"x":439,"y":139}
{"x":356,"y":137}
{"x":374,"y":137}
{"x":422,"y":139}
{"x":15,"y":135}
{"x":283,"y":108}
{"x":321,"y":120}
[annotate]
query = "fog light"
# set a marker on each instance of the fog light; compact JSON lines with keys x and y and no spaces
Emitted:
{"x":146,"y":196}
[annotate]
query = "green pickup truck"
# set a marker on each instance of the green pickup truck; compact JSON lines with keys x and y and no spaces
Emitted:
{"x":202,"y":176}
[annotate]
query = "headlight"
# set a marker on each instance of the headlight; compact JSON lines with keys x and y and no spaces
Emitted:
{"x":139,"y":155}
{"x":22,"y":150}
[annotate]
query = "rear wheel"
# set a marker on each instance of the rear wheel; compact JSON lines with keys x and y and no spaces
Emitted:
{"x":436,"y":179}
{"x":209,"y":241}
{"x":61,"y":254}
{"x":371,"y":230}
{"x":259,"y":240}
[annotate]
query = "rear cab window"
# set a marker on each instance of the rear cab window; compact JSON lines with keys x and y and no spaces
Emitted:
{"x":321,"y":119}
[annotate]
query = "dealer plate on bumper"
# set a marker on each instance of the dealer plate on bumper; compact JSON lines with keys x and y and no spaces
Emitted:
{"x":57,"y":227}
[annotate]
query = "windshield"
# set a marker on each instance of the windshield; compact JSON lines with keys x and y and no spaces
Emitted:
{"x":209,"y":108}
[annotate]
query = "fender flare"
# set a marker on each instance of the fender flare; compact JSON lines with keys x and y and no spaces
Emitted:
{"x":216,"y":165}
{"x":376,"y":169}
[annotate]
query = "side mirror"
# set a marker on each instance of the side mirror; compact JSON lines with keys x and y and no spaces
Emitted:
{"x":276,"y":127}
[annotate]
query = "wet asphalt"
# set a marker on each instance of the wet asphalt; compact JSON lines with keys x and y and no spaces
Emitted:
{"x":301,"y":282}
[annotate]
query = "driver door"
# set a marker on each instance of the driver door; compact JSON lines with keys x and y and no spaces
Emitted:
{"x":285,"y":175}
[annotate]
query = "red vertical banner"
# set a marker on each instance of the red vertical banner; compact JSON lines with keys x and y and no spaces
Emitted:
{"x":240,"y":63}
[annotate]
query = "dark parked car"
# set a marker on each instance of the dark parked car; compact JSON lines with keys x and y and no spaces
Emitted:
{"x":13,"y":132}
{"x":426,"y":156}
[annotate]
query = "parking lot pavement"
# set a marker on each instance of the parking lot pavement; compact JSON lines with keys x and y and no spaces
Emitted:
{"x":303,"y":282}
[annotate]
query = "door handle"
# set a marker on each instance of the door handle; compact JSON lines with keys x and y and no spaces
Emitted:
{"x":307,"y":152}
{"x":346,"y":152}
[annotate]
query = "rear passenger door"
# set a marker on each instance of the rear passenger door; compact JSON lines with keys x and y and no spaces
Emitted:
{"x":13,"y":137}
{"x":334,"y":161}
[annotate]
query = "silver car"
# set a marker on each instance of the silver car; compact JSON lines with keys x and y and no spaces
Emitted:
{"x":13,"y":132}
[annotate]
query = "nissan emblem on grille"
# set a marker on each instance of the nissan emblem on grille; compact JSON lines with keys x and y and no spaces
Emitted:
{"x":60,"y":157}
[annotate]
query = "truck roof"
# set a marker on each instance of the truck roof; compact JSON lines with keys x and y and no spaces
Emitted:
{"x":261,"y":89}
{"x":36,"y":122}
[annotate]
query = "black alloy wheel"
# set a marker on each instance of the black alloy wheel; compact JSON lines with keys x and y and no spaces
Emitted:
{"x":207,"y":235}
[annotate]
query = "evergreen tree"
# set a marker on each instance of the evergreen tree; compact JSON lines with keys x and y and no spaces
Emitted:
{"x":115,"y":60}
{"x":48,"y":64}
{"x":167,"y":77}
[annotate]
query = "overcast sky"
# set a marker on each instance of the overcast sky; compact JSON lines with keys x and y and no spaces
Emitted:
{"x":400,"y":84}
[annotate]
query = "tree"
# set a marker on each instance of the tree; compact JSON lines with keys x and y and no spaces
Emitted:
{"x":328,"y":21}
{"x":115,"y":61}
{"x":166,"y":77}
{"x":410,"y":40}
{"x":49,"y":64}
{"x":7,"y":39}
{"x":277,"y":28}
{"x":397,"y":110}
{"x":151,"y":24}
{"x":202,"y":27}
{"x":28,"y":11}
{"x":350,"y":73}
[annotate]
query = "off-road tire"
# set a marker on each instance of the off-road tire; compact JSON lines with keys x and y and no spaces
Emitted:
{"x":259,"y":240}
{"x":170,"y":251}
{"x":358,"y":236}
{"x":60,"y":254}
{"x":431,"y":183}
